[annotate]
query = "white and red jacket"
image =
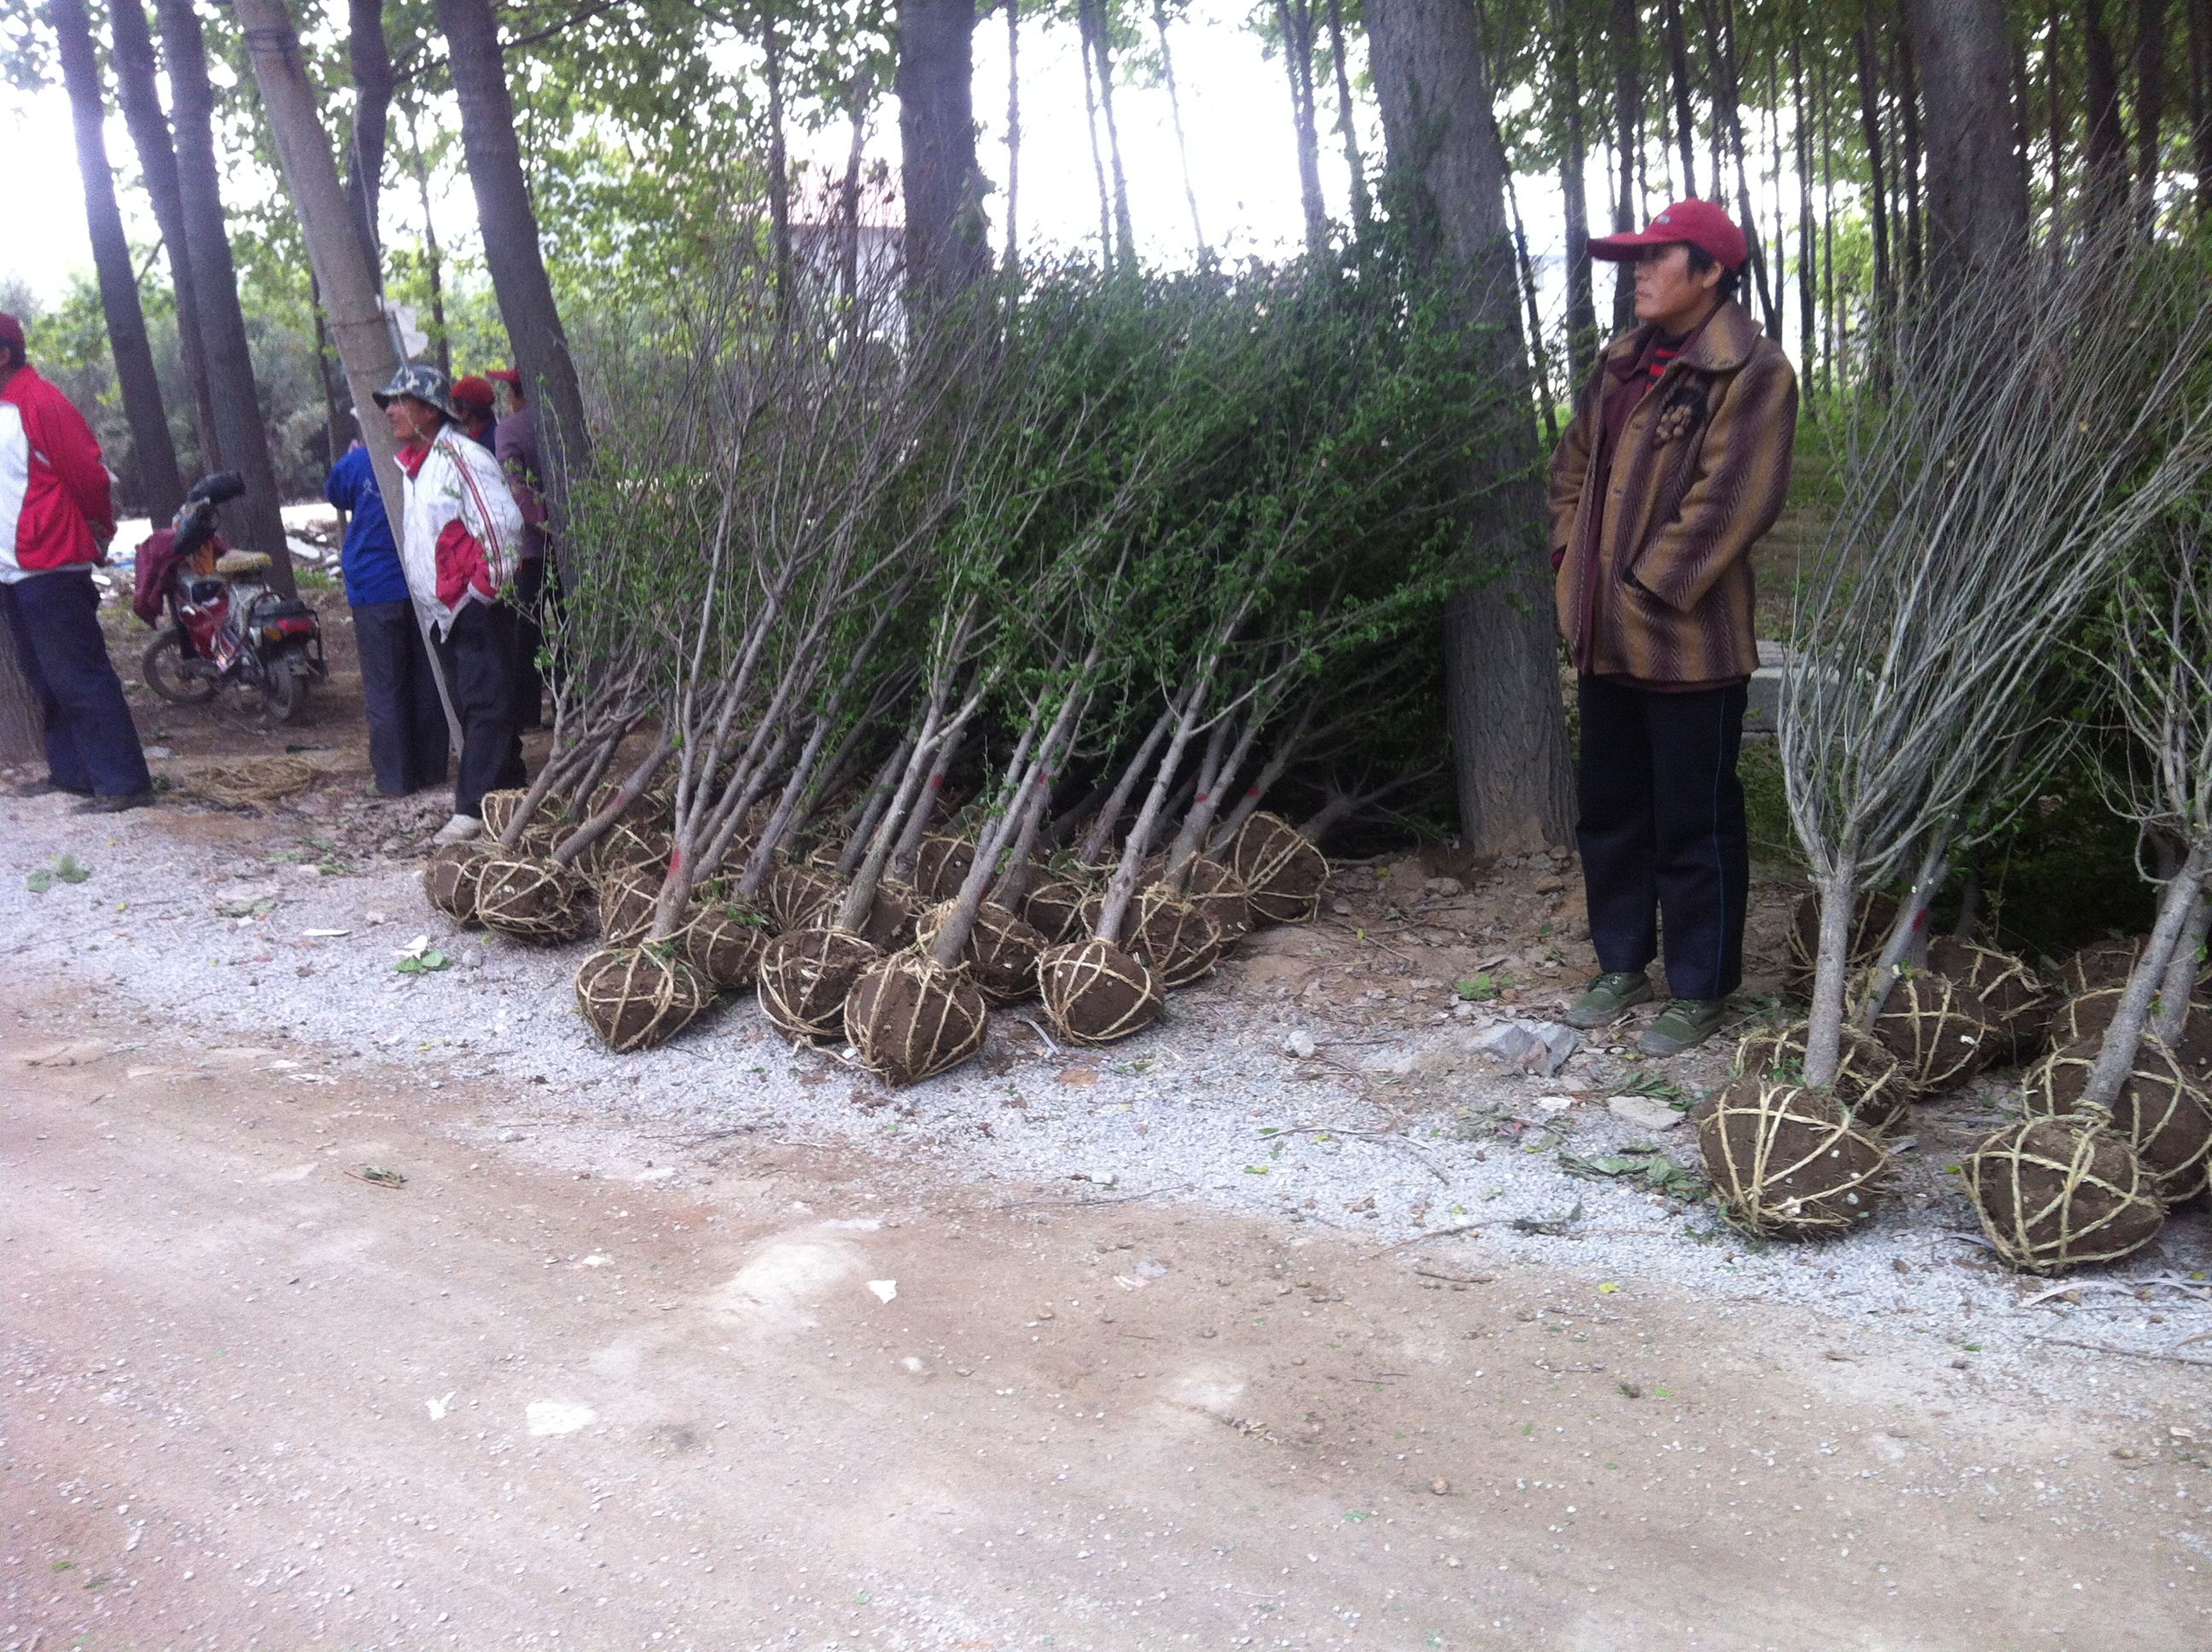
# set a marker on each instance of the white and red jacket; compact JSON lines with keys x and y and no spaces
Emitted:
{"x":460,"y":533}
{"x":56,"y":509}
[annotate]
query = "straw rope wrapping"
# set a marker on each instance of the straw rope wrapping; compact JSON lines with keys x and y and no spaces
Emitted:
{"x":1217,"y":891}
{"x":1935,"y":1028}
{"x":628,"y":845}
{"x":799,"y":894}
{"x":2014,"y":997}
{"x":807,"y":974}
{"x":531,"y":900}
{"x":2160,"y":1112}
{"x":941,"y":866}
{"x":1788,"y":1161}
{"x":1052,"y":908}
{"x":910,"y":1018}
{"x":1095,"y":993}
{"x":626,"y":897}
{"x":498,"y":809}
{"x":723,"y":938}
{"x":636,"y":997}
{"x":1001,"y":953}
{"x":449,"y":878}
{"x":2055,"y":1194}
{"x":1872,"y":915}
{"x":1283,"y":873}
{"x":1180,"y":942}
{"x":892,"y":916}
{"x":1871,"y":1082}
{"x":259,"y":780}
{"x":2098,"y":965}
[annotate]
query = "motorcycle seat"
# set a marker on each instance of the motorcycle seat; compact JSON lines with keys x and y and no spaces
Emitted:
{"x":232,"y":563}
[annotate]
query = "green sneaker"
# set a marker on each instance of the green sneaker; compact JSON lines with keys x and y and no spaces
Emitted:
{"x":1608,"y":998}
{"x":1685,"y":1023}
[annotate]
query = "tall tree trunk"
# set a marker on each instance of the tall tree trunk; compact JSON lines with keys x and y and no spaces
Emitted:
{"x":374,"y":83}
{"x":2200,"y":106}
{"x":1627,"y":39}
{"x":256,"y":519}
{"x":1446,"y":173}
{"x":1540,"y":365}
{"x":1183,"y":141}
{"x":1809,"y":312}
{"x":1877,"y":195}
{"x":2023,"y":127}
{"x":1295,"y":19}
{"x":1908,"y":107}
{"x":1347,"y":122}
{"x":1014,"y":135}
{"x":1102,"y":48}
{"x":1727,"y":92}
{"x":1977,"y":176}
{"x":512,"y":251}
{"x":141,"y":98}
{"x":1686,"y":125}
{"x":946,"y":246}
{"x":2105,"y":147}
{"x":778,"y":159}
{"x":2152,"y":23}
{"x":1090,"y":130}
{"x":1832,"y":340}
{"x":862,"y":96}
{"x":2055,"y":117}
{"x":153,"y":453}
{"x":434,"y":257}
{"x":1574,"y":187}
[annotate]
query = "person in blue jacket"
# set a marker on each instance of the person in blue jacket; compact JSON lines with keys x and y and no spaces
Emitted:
{"x":407,"y":732}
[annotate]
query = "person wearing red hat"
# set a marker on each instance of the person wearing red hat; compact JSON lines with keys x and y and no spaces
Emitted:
{"x":473,"y":400}
{"x":516,"y":441}
{"x":1676,"y":464}
{"x":57,"y":515}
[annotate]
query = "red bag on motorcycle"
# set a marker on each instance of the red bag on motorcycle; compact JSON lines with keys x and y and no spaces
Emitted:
{"x":157,"y":566}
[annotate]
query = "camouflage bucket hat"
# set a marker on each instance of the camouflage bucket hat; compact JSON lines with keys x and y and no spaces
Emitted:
{"x":424,"y":384}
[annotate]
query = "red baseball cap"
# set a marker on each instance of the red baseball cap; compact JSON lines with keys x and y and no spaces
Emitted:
{"x":1701,"y":224}
{"x":472,"y":392}
{"x":505,"y":376}
{"x":11,"y":330}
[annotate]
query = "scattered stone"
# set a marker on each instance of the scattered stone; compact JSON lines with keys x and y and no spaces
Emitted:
{"x":1554,"y":1103}
{"x":1536,"y":1047}
{"x":1644,"y":1113}
{"x":1300,"y":1044}
{"x":1441,"y":1487}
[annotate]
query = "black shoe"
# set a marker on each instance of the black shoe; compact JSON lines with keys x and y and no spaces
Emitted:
{"x":45,"y":789}
{"x":114,"y":805}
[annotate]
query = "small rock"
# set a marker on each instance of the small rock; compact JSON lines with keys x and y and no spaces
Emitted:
{"x":1444,"y":888}
{"x":1441,"y":1487}
{"x":1342,"y":908}
{"x":1555,"y":1103}
{"x":375,"y":918}
{"x":1642,"y":1112}
{"x":511,"y":1135}
{"x":1550,"y":885}
{"x":1300,"y":1043}
{"x":1044,"y":1313}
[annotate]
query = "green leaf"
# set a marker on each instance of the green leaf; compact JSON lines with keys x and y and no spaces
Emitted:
{"x":40,"y":881}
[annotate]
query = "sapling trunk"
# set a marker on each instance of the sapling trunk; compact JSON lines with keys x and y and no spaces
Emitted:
{"x":1823,"y":1032}
{"x":924,"y":811}
{"x":1100,"y":831}
{"x":1216,"y":776}
{"x":870,"y":811}
{"x":2115,"y":1056}
{"x":632,"y":788}
{"x":1342,"y":805}
{"x":1908,"y":935}
{"x":1278,"y":764}
{"x":1121,"y":888}
{"x":908,"y":801}
{"x":2181,"y":970}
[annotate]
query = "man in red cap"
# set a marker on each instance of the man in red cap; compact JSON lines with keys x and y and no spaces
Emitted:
{"x":473,"y":400}
{"x":57,"y":515}
{"x":1676,"y":464}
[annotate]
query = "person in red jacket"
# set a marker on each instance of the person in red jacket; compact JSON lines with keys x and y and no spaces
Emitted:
{"x":57,"y":515}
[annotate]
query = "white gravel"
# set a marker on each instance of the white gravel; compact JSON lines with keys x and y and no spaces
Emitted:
{"x":1214,"y":1105}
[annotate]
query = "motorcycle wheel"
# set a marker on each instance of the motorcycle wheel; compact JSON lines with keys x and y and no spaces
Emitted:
{"x":284,"y":685}
{"x":165,"y":669}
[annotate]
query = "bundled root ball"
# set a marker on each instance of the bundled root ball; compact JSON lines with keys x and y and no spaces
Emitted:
{"x":2055,"y":1194}
{"x":1788,"y":1161}
{"x":941,"y":866}
{"x":2015,"y":1000}
{"x":1095,"y":993}
{"x":628,"y":845}
{"x":627,"y":896}
{"x":722,"y":938}
{"x":806,"y":976}
{"x":2085,"y":1015}
{"x":1180,"y":942}
{"x":798,"y":894}
{"x":1001,"y":953}
{"x":910,"y":1018}
{"x":2160,"y":1111}
{"x":1283,"y":872}
{"x":1874,"y":914}
{"x":1052,"y":908}
{"x":450,"y":878}
{"x":1935,"y":1028}
{"x":892,"y":916}
{"x":1871,"y":1081}
{"x":2100,"y":963}
{"x":1215,"y":889}
{"x":636,"y":997}
{"x":531,"y":900}
{"x":498,"y":810}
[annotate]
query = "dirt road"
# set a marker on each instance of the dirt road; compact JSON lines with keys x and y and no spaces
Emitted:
{"x":786,"y":1396}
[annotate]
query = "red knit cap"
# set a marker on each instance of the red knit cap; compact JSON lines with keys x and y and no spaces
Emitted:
{"x":472,"y":391}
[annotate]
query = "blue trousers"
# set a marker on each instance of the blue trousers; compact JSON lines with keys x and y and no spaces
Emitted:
{"x":92,"y":744}
{"x":407,"y":736}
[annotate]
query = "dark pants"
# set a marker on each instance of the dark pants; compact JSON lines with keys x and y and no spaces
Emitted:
{"x":92,"y":744}
{"x":1664,"y":846}
{"x":477,"y":651}
{"x":530,"y":601}
{"x":407,"y":736}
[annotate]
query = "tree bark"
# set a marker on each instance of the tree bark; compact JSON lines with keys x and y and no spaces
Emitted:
{"x":1908,"y":107}
{"x":848,"y":190}
{"x":22,"y":743}
{"x":1295,"y":19}
{"x":141,"y":98}
{"x":512,"y":251}
{"x":1977,"y":176}
{"x":434,"y":257}
{"x":1808,"y":331}
{"x":2151,"y":24}
{"x":258,"y":522}
{"x":778,"y":159}
{"x":374,"y":83}
{"x":1686,"y":125}
{"x":1446,"y":177}
{"x":1013,"y":136}
{"x":2057,"y":118}
{"x":1347,"y":125}
{"x":1101,"y":49}
{"x":1090,"y":130}
{"x":1878,"y":197}
{"x":1628,"y":140}
{"x":2105,"y":146}
{"x":153,"y":453}
{"x":1538,"y":357}
{"x":1182,"y":142}
{"x":2200,"y":105}
{"x":945,"y":246}
{"x":1729,"y":91}
{"x":1574,"y":186}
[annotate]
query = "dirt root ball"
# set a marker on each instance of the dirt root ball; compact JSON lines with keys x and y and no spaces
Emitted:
{"x":892,"y":916}
{"x":910,"y":1018}
{"x":531,"y":900}
{"x":806,"y":976}
{"x":497,"y":810}
{"x":1284,"y":874}
{"x":722,"y":938}
{"x":2160,"y":1111}
{"x":1211,"y":887}
{"x":1095,"y":993}
{"x":1180,"y":942}
{"x":2016,"y":1001}
{"x":797,"y":895}
{"x":2100,"y":963}
{"x":1001,"y":953}
{"x":628,"y":846}
{"x":1874,"y":914}
{"x":626,"y":899}
{"x":636,"y":997}
{"x":1051,"y":909}
{"x":940,"y":866}
{"x":2056,"y":1194}
{"x":1871,"y":1081}
{"x":450,"y":878}
{"x":1935,"y":1028}
{"x":1787,"y":1162}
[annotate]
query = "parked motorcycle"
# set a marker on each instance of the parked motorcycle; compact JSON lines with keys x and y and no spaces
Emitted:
{"x":225,"y":626}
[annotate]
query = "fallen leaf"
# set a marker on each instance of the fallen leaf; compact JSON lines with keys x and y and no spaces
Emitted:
{"x":1078,"y":1078}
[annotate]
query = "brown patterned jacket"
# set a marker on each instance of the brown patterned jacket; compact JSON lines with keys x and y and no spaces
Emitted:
{"x":1654,"y":581}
